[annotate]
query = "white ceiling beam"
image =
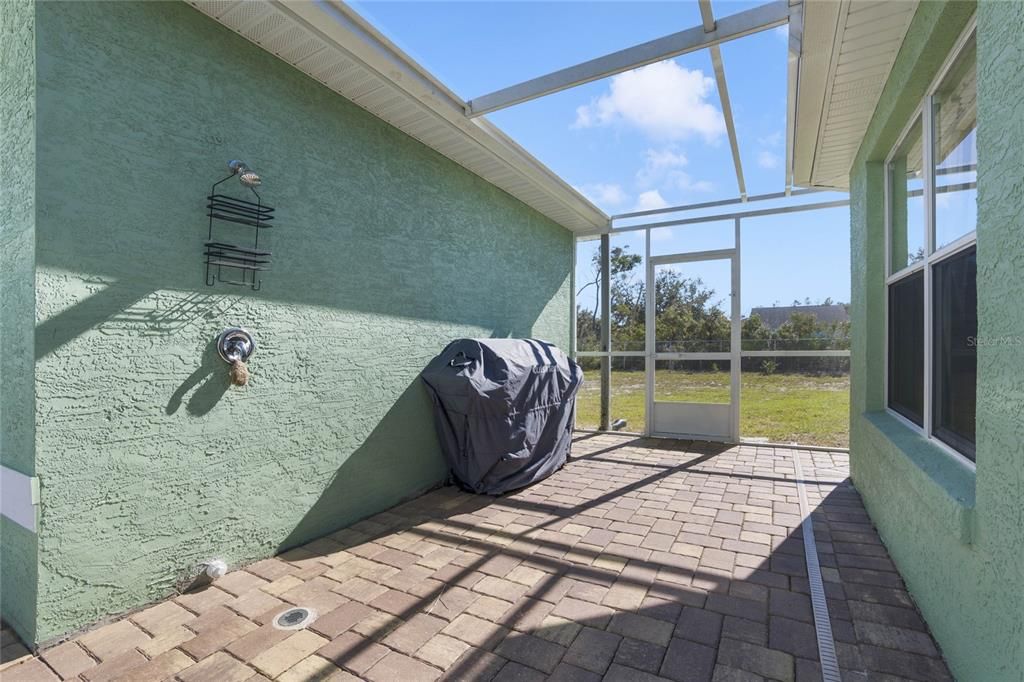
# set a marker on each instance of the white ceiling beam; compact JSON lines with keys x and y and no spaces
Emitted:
{"x":708,"y":17}
{"x":728,"y":28}
{"x":796,"y":35}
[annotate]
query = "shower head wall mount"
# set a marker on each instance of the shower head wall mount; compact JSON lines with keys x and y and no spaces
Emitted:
{"x":235,"y":345}
{"x":247,"y":176}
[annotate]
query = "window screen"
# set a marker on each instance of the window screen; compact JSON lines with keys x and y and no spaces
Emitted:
{"x":906,"y":347}
{"x":955,"y":352}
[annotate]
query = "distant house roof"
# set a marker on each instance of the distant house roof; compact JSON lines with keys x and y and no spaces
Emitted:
{"x":776,"y":316}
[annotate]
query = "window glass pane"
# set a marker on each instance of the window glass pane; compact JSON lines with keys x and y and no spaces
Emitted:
{"x":693,"y":307}
{"x":956,"y":155}
{"x":692,"y":381}
{"x":906,"y":202}
{"x":795,"y":400}
{"x":628,"y":291}
{"x":906,"y":347}
{"x":588,"y":295}
{"x":955,"y":350}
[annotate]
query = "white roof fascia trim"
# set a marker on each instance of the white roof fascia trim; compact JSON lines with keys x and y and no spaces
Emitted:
{"x":854,"y":43}
{"x":341,"y":27}
{"x":844,"y":8}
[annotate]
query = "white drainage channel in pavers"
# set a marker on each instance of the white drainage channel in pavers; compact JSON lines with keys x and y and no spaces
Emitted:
{"x":819,"y":605}
{"x":294,"y":619}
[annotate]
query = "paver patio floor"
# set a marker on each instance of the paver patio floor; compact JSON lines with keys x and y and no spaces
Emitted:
{"x":641,"y":560}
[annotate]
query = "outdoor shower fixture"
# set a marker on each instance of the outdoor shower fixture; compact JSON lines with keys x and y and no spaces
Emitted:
{"x":246,"y":175}
{"x":235,"y":345}
{"x":227,"y":261}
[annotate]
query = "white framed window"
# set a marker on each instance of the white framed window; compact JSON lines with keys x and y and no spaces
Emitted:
{"x":931,"y":291}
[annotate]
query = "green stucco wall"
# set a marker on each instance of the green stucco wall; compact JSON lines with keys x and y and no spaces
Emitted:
{"x":18,"y":559}
{"x":956,"y":536}
{"x":17,"y":233}
{"x":384,"y":252}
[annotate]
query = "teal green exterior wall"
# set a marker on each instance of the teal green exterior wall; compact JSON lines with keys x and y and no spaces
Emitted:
{"x":957,"y":536}
{"x":17,"y":234}
{"x":19,"y":577}
{"x":18,"y":558}
{"x":384,"y":251}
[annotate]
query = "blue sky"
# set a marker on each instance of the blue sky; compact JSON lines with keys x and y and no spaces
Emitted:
{"x":643,"y":139}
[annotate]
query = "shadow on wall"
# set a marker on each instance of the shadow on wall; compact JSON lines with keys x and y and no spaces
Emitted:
{"x":384,"y":251}
{"x":368,"y":219}
{"x":19,"y":573}
{"x":211,"y":378}
{"x":357,"y":489}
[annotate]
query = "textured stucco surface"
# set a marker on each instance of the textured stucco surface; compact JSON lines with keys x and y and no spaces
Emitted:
{"x":956,"y":536}
{"x":19,"y":572}
{"x":384,"y":252}
{"x":18,"y":559}
{"x":17,"y":232}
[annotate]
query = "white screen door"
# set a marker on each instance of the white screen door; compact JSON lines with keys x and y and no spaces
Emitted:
{"x":693,"y":345}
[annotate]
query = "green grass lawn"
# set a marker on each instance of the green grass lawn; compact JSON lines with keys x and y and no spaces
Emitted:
{"x":782,"y":408}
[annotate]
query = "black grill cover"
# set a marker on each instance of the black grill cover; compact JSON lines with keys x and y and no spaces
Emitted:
{"x":504,"y":410}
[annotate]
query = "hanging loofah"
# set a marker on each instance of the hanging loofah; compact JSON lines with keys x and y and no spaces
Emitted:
{"x":239,"y":373}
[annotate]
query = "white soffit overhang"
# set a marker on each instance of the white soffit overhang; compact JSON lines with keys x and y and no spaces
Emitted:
{"x":847,"y":52}
{"x":332,"y":44}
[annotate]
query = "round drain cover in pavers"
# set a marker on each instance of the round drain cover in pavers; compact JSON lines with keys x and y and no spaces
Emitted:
{"x":294,"y":619}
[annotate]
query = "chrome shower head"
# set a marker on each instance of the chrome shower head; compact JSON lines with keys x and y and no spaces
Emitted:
{"x":246,"y":175}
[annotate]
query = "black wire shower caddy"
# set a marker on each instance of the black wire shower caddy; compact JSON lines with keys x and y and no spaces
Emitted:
{"x":230,"y":263}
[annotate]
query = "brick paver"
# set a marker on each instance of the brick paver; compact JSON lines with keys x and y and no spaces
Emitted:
{"x":641,"y":560}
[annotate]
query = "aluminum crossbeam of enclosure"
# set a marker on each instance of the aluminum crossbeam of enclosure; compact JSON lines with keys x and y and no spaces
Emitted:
{"x":727,"y":28}
{"x":714,"y":204}
{"x":732,"y":216}
{"x":708,"y":17}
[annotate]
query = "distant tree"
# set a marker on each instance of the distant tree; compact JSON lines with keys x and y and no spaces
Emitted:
{"x":755,"y":333}
{"x":691,"y":316}
{"x":622,"y":263}
{"x":798,"y":332}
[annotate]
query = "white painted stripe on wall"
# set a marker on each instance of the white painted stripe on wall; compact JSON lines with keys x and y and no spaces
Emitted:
{"x":19,"y":495}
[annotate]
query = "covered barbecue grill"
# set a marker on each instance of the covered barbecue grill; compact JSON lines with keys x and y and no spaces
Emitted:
{"x":504,"y":410}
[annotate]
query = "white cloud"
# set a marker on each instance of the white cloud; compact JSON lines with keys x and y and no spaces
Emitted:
{"x":650,"y":200}
{"x":684,"y":182}
{"x":658,"y":164}
{"x":662,"y":168}
{"x":663,"y":100}
{"x":782,"y":32}
{"x":604,"y":193}
{"x":773,"y":140}
{"x":768,"y":160}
